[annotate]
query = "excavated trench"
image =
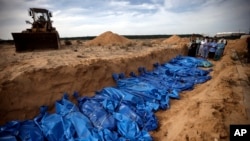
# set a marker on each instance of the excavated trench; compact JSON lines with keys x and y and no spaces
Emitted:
{"x":22,"y":96}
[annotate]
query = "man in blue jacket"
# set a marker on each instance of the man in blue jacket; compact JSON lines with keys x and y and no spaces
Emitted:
{"x":212,"y":49}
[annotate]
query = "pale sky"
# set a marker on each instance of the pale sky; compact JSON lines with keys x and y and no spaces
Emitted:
{"x":77,"y":18}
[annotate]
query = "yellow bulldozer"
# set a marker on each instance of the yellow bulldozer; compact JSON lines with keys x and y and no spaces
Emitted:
{"x":42,"y":35}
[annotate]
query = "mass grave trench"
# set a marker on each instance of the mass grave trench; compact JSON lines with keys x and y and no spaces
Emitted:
{"x":22,"y":96}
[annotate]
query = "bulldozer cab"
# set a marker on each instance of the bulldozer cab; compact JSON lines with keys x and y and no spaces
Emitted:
{"x":41,"y":20}
{"x":42,"y":35}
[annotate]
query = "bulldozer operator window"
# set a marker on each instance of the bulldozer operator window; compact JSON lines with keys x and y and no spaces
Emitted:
{"x":41,"y":17}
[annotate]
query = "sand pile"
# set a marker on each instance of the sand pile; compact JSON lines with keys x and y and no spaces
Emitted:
{"x":244,"y":36}
{"x":173,"y":40}
{"x":237,"y":49}
{"x":108,"y":38}
{"x":240,"y":44}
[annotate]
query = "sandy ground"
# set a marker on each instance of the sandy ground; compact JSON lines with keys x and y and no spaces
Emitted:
{"x":31,"y":79}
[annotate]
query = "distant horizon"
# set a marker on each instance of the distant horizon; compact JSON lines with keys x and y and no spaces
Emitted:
{"x":152,"y":36}
{"x":148,"y":34}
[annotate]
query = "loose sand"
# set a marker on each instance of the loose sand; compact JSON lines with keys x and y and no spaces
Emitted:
{"x":175,"y":39}
{"x":108,"y":38}
{"x":31,"y":79}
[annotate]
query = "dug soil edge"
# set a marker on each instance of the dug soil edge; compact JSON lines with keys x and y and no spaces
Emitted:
{"x":22,"y":96}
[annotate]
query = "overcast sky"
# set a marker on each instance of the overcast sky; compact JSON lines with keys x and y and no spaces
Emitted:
{"x":74,"y":18}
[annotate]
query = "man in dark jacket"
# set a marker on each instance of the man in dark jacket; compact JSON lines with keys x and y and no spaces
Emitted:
{"x":248,"y":49}
{"x":192,"y":49}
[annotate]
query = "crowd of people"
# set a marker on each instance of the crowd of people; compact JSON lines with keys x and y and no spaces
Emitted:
{"x":208,"y":48}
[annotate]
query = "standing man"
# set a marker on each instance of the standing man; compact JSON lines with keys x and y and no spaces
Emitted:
{"x":219,"y":51}
{"x":198,"y":43}
{"x":205,"y":48}
{"x":248,"y":49}
{"x":192,"y":49}
{"x":200,"y":52}
{"x":212,"y":49}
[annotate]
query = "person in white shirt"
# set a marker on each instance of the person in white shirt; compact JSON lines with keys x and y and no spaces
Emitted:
{"x":198,"y":43}
{"x":200,"y":51}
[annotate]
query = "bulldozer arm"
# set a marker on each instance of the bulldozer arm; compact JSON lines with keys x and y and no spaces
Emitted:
{"x":36,"y":41}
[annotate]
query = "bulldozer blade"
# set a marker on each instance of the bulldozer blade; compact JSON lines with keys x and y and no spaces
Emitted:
{"x":36,"y":41}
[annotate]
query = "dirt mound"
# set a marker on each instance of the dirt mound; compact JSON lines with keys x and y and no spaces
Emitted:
{"x":240,"y":44}
{"x":244,"y":36}
{"x":173,"y":40}
{"x":108,"y":38}
{"x":237,"y":49}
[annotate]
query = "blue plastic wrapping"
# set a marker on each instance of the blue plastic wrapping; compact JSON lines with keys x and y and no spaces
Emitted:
{"x":99,"y":117}
{"x":119,"y":113}
{"x":148,"y":92}
{"x":68,"y":123}
{"x":119,"y":95}
{"x":30,"y":132}
{"x":129,"y":129}
{"x":107,"y":135}
{"x":138,"y":112}
{"x":165,"y":80}
{"x":190,"y":61}
{"x":159,"y":82}
{"x":21,"y":130}
{"x":10,"y":130}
